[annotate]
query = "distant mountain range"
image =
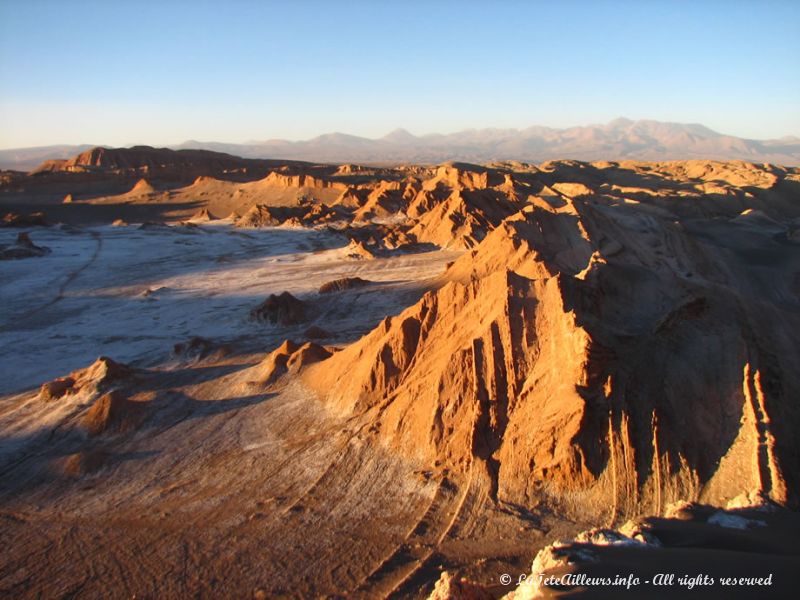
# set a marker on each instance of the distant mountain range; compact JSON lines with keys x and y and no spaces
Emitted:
{"x":27,"y":159}
{"x":618,"y":140}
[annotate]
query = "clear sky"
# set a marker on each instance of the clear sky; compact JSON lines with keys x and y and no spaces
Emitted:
{"x":165,"y":71}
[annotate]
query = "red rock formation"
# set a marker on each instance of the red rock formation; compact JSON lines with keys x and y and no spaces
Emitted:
{"x":300,"y":180}
{"x":142,"y":187}
{"x":358,"y":251}
{"x":565,"y":357}
{"x":203,"y":215}
{"x":100,"y":375}
{"x":289,"y":357}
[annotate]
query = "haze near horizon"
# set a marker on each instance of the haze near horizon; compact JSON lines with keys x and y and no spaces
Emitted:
{"x":161,"y":74}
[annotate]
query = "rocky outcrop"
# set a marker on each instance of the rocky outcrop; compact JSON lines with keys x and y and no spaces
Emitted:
{"x":146,"y":159}
{"x":262,"y":216}
{"x":282,"y":309}
{"x":202,"y":216}
{"x":22,"y":248}
{"x":357,"y":250}
{"x":464,"y":219}
{"x":385,"y":199}
{"x":289,"y":357}
{"x":300,"y":181}
{"x":102,"y":374}
{"x":316,"y":333}
{"x":451,"y":587}
{"x":274,"y":216}
{"x":757,"y":543}
{"x":345,"y":283}
{"x":141,"y":188}
{"x":379,"y":239}
{"x":199,"y":348}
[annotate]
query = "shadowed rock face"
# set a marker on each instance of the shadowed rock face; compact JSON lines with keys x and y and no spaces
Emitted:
{"x":339,"y":285}
{"x":283,"y":309}
{"x":199,"y":348}
{"x":111,"y":412}
{"x":147,"y":159}
{"x":266,"y":216}
{"x":30,"y":220}
{"x":752,"y":544}
{"x":316,"y":333}
{"x":22,"y":248}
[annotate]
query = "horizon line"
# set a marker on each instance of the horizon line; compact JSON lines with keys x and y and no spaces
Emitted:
{"x":399,"y":129}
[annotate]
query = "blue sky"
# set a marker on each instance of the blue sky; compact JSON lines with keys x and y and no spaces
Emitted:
{"x":161,"y":72}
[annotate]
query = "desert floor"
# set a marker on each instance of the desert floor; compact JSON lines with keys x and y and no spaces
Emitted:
{"x":223,"y":490}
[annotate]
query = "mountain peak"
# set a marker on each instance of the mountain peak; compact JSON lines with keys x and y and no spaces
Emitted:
{"x":399,"y":135}
{"x":620,"y":122}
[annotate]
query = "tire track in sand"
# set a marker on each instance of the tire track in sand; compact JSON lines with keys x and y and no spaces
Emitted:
{"x":71,"y":276}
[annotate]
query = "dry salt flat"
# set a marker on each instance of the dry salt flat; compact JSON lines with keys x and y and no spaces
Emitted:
{"x":133,"y":292}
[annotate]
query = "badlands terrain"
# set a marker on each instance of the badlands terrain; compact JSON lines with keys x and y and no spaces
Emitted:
{"x":227,"y":377}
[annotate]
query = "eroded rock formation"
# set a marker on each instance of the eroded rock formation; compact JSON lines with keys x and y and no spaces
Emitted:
{"x":612,"y":354}
{"x":290,"y":357}
{"x":101,"y":375}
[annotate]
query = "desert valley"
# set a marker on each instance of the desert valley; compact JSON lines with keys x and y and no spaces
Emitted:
{"x":247,"y":378}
